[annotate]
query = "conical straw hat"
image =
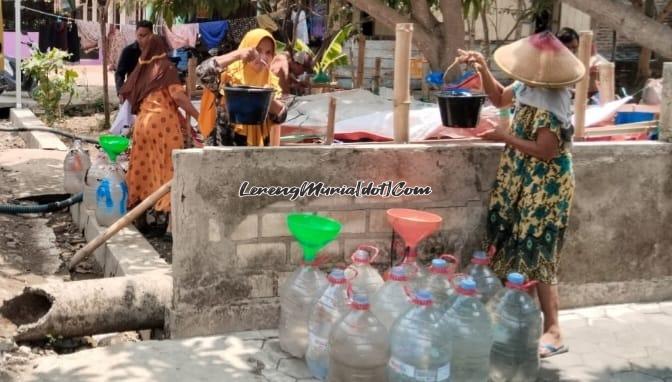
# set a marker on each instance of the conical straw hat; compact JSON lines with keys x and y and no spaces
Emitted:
{"x":540,"y":60}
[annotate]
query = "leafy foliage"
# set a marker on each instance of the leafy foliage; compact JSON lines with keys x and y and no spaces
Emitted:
{"x":53,"y":81}
{"x":171,"y":9}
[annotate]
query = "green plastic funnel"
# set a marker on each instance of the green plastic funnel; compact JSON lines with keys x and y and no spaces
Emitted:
{"x":113,"y":145}
{"x":313,"y":232}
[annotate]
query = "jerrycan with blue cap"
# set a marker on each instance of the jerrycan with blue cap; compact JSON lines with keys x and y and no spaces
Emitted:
{"x":112,"y":191}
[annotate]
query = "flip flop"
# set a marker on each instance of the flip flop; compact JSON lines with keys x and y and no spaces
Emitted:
{"x":551,"y":350}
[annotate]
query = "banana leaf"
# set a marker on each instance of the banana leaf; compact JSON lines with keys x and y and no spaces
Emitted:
{"x":333,"y":55}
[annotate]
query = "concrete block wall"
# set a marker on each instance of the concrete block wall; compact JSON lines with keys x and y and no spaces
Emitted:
{"x":231,"y":254}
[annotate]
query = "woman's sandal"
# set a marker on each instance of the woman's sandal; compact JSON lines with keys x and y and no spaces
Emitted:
{"x":549,"y":350}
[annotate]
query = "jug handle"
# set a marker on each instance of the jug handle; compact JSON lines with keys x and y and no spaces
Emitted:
{"x":452,"y":260}
{"x":368,"y":248}
{"x":492,"y":250}
{"x":349,"y":279}
{"x":409,"y":293}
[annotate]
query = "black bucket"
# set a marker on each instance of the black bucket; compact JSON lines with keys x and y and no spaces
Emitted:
{"x":248,"y":105}
{"x":460,"y":108}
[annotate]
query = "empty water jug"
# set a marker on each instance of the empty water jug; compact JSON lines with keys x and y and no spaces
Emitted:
{"x":297,"y":296}
{"x":330,"y":307}
{"x":75,"y":166}
{"x":391,"y":300}
{"x":470,"y":329}
{"x":358,"y":346}
{"x":416,"y":273}
{"x":438,"y":282}
{"x":420,"y":349}
{"x":111,"y":196}
{"x":92,"y":179}
{"x":487,"y":282}
{"x":363,"y":277}
{"x":516,"y":328}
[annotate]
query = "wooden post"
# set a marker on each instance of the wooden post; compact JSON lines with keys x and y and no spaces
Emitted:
{"x":376,"y":77}
{"x":402,"y":81}
{"x":331,"y":121}
{"x":581,"y":95}
{"x":607,"y":82}
{"x":191,"y":76}
{"x":425,"y":85}
{"x":361,"y":55}
{"x":666,"y":105}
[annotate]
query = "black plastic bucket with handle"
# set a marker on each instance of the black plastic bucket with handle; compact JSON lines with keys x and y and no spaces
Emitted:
{"x":460,"y":108}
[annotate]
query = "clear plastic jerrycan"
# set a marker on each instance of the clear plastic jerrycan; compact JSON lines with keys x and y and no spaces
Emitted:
{"x":92,"y":179}
{"x":363,"y":277}
{"x":438,"y":281}
{"x":297,"y":297}
{"x":487,"y":282}
{"x":516,"y":328}
{"x":470,"y":328}
{"x":330,"y":307}
{"x":111,"y":196}
{"x":358,"y":346}
{"x":75,"y":166}
{"x":420,"y":348}
{"x":391,"y":300}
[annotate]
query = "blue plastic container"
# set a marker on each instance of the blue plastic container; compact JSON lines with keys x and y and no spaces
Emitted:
{"x":247,"y":105}
{"x":624,"y":117}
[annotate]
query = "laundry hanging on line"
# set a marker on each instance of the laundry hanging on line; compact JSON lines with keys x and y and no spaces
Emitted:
{"x":183,"y":35}
{"x":213,"y":32}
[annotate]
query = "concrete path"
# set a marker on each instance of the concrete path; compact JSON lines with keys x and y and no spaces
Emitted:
{"x":630,"y":343}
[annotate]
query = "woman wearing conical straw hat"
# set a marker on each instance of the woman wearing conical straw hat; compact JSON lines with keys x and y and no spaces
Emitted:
{"x":532,"y":195}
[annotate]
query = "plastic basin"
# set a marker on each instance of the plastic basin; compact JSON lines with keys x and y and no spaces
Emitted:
{"x":624,"y":117}
{"x":248,"y":105}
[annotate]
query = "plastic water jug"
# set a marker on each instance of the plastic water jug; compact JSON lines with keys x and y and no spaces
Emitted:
{"x":330,"y":307}
{"x":470,"y":328}
{"x":487,"y":282}
{"x":416,"y":273}
{"x":111,"y":196}
{"x":419,"y":348}
{"x":358,"y":346}
{"x":92,"y":178}
{"x":391,"y":300}
{"x":363,"y":277}
{"x":516,"y":328}
{"x":75,"y":166}
{"x":297,"y":297}
{"x":438,"y":282}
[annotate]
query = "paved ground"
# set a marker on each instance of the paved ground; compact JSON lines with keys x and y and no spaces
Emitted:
{"x":628,"y":343}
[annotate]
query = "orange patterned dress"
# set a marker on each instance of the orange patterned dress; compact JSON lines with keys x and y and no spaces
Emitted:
{"x":156,"y":133}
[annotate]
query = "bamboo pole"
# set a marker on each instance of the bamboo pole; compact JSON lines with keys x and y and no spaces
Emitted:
{"x":402,"y":81}
{"x":119,"y":224}
{"x":581,"y":95}
{"x":191,"y":76}
{"x":425,"y":85}
{"x":331,"y":122}
{"x":607,"y":82}
{"x":666,"y":105}
{"x":376,"y":77}
{"x":361,"y":55}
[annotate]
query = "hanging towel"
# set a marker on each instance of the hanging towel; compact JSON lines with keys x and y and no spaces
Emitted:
{"x":213,"y":32}
{"x":89,"y":34}
{"x":180,"y":36}
{"x":301,"y":26}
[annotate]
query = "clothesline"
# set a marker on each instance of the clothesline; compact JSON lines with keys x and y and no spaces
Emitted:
{"x":59,"y":16}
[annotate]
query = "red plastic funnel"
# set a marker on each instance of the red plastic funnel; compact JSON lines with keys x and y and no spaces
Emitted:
{"x":413,"y":225}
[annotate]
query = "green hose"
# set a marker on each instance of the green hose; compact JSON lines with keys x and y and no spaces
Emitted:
{"x":14,"y":209}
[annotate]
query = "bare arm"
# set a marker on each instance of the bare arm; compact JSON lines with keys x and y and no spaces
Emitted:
{"x":545,"y":147}
{"x":183,"y":101}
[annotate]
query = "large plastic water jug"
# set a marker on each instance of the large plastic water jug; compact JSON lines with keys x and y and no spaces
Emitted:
{"x":363,"y":277}
{"x":75,"y":166}
{"x":516,"y":328}
{"x":416,"y":273}
{"x":420,"y":349}
{"x":111,"y":196}
{"x":438,"y":282}
{"x":470,"y":329}
{"x":92,"y":179}
{"x":487,"y":282}
{"x":392,"y":299}
{"x":330,"y":307}
{"x":358,"y":346}
{"x":297,"y":297}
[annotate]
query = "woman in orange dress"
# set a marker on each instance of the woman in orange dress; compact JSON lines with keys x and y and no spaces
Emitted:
{"x":155,"y":92}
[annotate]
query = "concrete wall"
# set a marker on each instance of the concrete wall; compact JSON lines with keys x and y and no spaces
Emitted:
{"x":231,"y":254}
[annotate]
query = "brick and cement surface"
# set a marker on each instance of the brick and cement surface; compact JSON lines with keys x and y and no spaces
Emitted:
{"x":620,"y":343}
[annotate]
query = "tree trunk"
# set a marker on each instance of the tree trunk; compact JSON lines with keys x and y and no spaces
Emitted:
{"x":633,"y":25}
{"x":486,"y":33}
{"x":644,"y":65}
{"x":102,"y":13}
{"x":437,"y":43}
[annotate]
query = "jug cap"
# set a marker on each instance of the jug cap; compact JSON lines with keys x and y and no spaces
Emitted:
{"x":439,"y":266}
{"x":467,"y":286}
{"x":480,"y":258}
{"x":360,"y":256}
{"x":337,"y":276}
{"x":423,"y":297}
{"x":398,"y":273}
{"x":360,"y":302}
{"x":516,"y":278}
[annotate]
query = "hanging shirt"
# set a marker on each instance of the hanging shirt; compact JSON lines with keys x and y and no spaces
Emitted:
{"x":59,"y":35}
{"x":213,"y":32}
{"x":73,"y":42}
{"x":301,"y":26}
{"x":180,"y":36}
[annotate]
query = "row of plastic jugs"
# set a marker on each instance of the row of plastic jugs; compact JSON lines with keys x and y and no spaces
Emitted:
{"x":102,"y":183}
{"x":440,"y":332}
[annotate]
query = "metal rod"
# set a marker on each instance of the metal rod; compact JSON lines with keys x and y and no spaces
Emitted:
{"x":17,"y":49}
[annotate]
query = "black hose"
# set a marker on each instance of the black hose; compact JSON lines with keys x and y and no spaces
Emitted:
{"x":14,"y":209}
{"x":48,"y":130}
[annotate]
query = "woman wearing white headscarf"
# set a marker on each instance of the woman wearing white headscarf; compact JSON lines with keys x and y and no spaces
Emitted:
{"x":531,"y":199}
